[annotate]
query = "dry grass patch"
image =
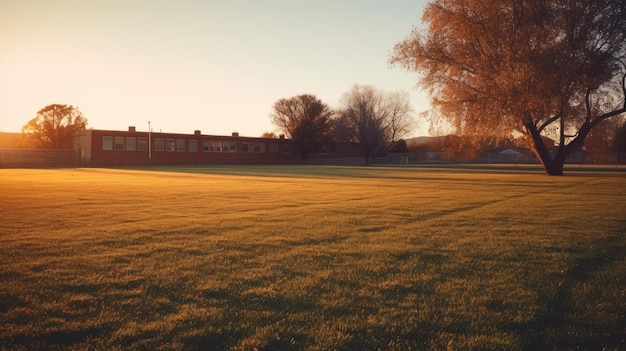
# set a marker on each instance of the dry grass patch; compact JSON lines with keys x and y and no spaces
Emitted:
{"x":311,"y":258}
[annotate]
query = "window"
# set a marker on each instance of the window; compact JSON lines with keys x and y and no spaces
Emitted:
{"x":142,"y":144}
{"x":274,"y":147}
{"x":193,"y":145}
{"x":205,"y":145}
{"x":170,"y":144}
{"x":286,"y":149}
{"x":131,"y":143}
{"x":219,"y":146}
{"x":229,"y":147}
{"x":253,"y":147}
{"x":119,"y":143}
{"x":107,"y":143}
{"x":180,"y":145}
{"x":159,"y":144}
{"x":215,"y":146}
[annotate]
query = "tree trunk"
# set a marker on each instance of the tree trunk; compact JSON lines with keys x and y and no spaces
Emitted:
{"x":552,"y":166}
{"x":303,"y":150}
{"x":303,"y":157}
{"x":367,"y":154}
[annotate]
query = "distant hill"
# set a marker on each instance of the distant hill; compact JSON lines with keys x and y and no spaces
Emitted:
{"x":9,"y":140}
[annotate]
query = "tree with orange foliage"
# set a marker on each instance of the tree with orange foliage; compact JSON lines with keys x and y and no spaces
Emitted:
{"x":54,"y":127}
{"x":537,"y":68}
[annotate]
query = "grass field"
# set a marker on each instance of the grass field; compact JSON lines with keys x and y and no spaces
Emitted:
{"x":311,"y":258}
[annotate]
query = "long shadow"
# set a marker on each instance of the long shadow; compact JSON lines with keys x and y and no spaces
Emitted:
{"x":560,"y":325}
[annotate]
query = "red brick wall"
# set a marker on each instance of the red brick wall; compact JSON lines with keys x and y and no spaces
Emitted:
{"x":121,"y":156}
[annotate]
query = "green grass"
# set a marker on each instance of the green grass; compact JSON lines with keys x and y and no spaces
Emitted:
{"x":311,"y":258}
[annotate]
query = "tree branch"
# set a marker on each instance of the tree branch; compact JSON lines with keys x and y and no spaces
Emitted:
{"x":549,"y":121}
{"x":615,"y":112}
{"x":588,"y":105}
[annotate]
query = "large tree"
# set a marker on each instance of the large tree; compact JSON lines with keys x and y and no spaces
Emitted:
{"x":54,"y":127}
{"x":537,"y":67}
{"x":305,"y":119}
{"x":373,"y":119}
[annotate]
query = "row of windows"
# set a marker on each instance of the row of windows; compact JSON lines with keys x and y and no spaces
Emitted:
{"x":178,"y":145}
{"x":219,"y":146}
{"x":122,"y":143}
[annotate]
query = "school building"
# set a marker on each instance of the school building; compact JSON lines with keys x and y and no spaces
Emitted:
{"x":107,"y":148}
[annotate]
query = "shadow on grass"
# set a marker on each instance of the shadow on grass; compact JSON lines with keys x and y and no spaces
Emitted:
{"x":563,"y":323}
{"x":70,"y":337}
{"x":210,"y":342}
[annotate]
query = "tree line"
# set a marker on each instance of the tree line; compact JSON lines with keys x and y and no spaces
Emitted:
{"x":606,"y":144}
{"x":367,"y":116}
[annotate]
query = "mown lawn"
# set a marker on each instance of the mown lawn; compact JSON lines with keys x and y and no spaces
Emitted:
{"x":311,"y":258}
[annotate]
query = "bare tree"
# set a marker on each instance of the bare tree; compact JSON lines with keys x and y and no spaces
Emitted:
{"x":539,"y":68}
{"x":54,"y":127}
{"x":373,"y":119}
{"x":303,"y":118}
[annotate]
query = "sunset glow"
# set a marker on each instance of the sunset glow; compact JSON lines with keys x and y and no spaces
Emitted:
{"x":217,"y":66}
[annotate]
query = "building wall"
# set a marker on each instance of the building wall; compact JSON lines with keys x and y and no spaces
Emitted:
{"x":131,"y":148}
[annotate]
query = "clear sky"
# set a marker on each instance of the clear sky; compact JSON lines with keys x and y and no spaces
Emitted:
{"x":213,"y":65}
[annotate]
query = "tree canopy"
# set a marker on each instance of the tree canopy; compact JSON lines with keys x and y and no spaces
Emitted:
{"x":373,"y":118}
{"x":54,"y":127}
{"x":303,"y":118}
{"x":553,"y":68}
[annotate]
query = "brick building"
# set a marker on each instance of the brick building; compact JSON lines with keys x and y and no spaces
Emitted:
{"x":102,"y":148}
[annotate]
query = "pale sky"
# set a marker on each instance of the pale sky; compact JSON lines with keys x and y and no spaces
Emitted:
{"x":213,"y":65}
